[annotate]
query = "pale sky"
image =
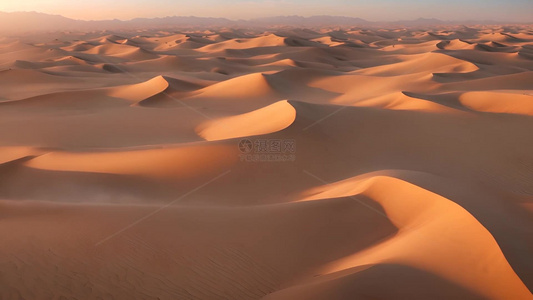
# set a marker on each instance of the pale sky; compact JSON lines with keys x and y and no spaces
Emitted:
{"x":373,"y":10}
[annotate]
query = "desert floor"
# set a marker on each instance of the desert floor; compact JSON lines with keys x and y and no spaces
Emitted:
{"x":281,"y":164}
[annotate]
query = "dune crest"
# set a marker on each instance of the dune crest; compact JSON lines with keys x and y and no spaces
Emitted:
{"x":140,"y":91}
{"x":272,"y":118}
{"x":418,"y":214}
{"x":496,"y":102}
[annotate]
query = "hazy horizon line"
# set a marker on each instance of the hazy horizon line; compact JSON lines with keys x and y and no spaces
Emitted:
{"x":274,"y":16}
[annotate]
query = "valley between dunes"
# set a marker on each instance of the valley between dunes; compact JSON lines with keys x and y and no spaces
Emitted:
{"x":282,"y":164}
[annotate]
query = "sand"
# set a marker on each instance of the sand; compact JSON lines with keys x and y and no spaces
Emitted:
{"x":278,"y":164}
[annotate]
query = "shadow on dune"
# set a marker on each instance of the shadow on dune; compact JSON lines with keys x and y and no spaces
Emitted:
{"x":384,"y":281}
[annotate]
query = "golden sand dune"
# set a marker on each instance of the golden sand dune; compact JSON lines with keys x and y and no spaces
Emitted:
{"x":496,"y":102}
{"x":140,"y":91}
{"x":281,"y":164}
{"x":419,"y":214}
{"x":272,"y":118}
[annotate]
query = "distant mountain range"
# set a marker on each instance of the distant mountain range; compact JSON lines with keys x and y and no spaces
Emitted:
{"x":33,"y":21}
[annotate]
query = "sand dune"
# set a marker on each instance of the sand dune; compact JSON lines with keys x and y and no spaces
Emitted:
{"x":418,"y":219}
{"x":272,"y":118}
{"x":429,"y":62}
{"x":317,"y":163}
{"x":499,"y":102}
{"x":140,"y":91}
